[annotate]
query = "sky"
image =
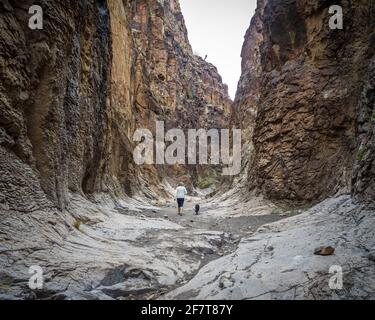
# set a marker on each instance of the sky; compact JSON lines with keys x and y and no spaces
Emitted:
{"x":217,"y":28}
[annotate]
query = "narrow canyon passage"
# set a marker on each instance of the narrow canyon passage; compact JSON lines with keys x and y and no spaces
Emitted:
{"x":99,"y":101}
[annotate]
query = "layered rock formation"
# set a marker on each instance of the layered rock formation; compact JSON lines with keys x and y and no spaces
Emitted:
{"x":71,"y":97}
{"x":364,"y":170}
{"x":54,"y":99}
{"x":305,"y":102}
{"x":278,"y":261}
{"x":299,"y":95}
{"x":171,"y":84}
{"x":73,"y":94}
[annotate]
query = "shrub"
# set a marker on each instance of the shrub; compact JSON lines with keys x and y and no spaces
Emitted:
{"x":206,"y":182}
{"x":361,"y":153}
{"x":77,"y":224}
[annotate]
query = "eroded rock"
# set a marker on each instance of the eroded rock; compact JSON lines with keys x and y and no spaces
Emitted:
{"x":290,"y":271}
{"x":324,"y":251}
{"x":305,"y":103}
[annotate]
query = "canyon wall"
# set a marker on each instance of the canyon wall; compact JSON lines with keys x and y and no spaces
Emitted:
{"x":54,"y":112}
{"x":72,"y":95}
{"x":306,"y":99}
{"x":72,"y":200}
{"x":171,"y":84}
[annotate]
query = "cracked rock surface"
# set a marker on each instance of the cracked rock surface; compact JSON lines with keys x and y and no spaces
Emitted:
{"x":110,"y":255}
{"x":278,"y":261}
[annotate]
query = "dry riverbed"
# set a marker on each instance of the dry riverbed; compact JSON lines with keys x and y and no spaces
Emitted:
{"x":231,"y":250}
{"x":132,"y":251}
{"x":233,"y":224}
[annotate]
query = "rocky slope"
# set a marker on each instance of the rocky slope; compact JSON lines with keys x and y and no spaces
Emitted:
{"x":278,"y":261}
{"x":305,"y":98}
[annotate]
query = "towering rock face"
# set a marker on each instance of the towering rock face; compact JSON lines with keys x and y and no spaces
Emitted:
{"x":54,"y":87}
{"x":364,"y":170}
{"x":171,"y":84}
{"x":72,"y":95}
{"x":302,"y":86}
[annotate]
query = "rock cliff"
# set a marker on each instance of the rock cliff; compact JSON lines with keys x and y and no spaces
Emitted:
{"x":54,"y":88}
{"x":171,"y":84}
{"x":73,"y":94}
{"x":305,"y":102}
{"x":71,"y":97}
{"x":73,"y":202}
{"x":299,"y":97}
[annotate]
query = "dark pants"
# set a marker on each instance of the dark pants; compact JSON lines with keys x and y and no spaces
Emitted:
{"x":180,"y":202}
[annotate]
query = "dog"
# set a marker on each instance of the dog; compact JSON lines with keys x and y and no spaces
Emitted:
{"x":197,"y":208}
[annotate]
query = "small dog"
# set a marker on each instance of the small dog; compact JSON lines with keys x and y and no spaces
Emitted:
{"x":197,"y":208}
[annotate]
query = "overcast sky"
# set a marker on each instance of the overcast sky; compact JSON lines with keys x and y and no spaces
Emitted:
{"x":217,"y":28}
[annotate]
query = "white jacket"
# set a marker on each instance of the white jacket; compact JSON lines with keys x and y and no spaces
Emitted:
{"x":181,"y":192}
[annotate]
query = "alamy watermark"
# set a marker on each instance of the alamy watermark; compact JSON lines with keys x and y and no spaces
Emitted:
{"x":183,"y":150}
{"x":36,"y":19}
{"x":335,"y":22}
{"x":336,"y":281}
{"x":337,"y":19}
{"x":36,"y":279}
